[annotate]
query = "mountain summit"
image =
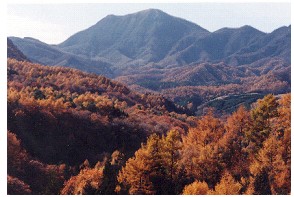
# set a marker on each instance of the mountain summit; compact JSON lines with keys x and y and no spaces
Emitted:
{"x":145,"y":36}
{"x":153,"y":51}
{"x":149,"y":45}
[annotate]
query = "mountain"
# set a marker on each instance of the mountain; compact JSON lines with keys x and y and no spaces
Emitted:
{"x":276,"y":44}
{"x":43,"y":53}
{"x":152,"y":36}
{"x":151,"y":51}
{"x":14,"y":52}
{"x":117,"y":43}
{"x":219,"y":44}
{"x":139,"y":38}
{"x":75,"y":132}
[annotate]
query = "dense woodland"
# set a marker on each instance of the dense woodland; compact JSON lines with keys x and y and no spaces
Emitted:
{"x":70,"y":132}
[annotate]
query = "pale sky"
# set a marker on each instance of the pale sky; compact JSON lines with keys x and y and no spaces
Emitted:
{"x":54,"y":23}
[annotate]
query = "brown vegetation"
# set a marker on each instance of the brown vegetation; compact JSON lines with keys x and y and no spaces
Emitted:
{"x":77,"y":133}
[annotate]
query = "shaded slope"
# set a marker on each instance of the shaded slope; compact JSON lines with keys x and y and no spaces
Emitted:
{"x":218,"y":45}
{"x":116,"y":45}
{"x":43,"y":53}
{"x":276,"y":44}
{"x":14,"y":52}
{"x":145,"y":36}
{"x":65,"y":115}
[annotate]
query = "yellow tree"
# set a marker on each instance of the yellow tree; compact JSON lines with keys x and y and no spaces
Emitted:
{"x":135,"y":176}
{"x":283,"y":126}
{"x":88,"y":181}
{"x":283,"y":129}
{"x":269,"y":166}
{"x":227,"y":186}
{"x":155,"y":167}
{"x":171,"y":146}
{"x":196,"y":188}
{"x":234,"y":142}
{"x":200,"y":152}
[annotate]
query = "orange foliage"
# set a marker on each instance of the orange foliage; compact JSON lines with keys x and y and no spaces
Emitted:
{"x":155,"y":163}
{"x":17,"y":187}
{"x":200,"y":151}
{"x":227,"y":186}
{"x":196,"y":188}
{"x":86,"y":182}
{"x":72,"y":116}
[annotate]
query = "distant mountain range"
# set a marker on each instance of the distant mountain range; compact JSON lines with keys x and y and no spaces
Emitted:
{"x":152,"y":36}
{"x":153,"y":51}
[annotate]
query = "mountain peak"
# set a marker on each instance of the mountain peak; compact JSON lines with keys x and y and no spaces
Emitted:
{"x":150,"y":14}
{"x":147,"y":35}
{"x":249,"y":28}
{"x":246,"y":27}
{"x":155,"y":12}
{"x":152,"y":10}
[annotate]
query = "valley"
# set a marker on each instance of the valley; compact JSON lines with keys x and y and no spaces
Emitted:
{"x":149,"y":103}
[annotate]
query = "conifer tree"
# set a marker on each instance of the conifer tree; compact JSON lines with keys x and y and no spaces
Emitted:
{"x":234,"y":143}
{"x":200,"y":152}
{"x":227,"y":186}
{"x":261,"y":115}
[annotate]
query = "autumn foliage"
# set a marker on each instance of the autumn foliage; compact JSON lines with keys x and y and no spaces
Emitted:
{"x":86,"y":182}
{"x":196,"y":188}
{"x":71,"y":132}
{"x":236,"y":155}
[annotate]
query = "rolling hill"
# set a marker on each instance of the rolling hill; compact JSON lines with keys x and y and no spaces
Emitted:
{"x":76,"y":132}
{"x":43,"y":53}
{"x":152,"y":51}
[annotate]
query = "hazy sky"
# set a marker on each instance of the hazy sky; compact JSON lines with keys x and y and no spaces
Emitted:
{"x":53,"y":23}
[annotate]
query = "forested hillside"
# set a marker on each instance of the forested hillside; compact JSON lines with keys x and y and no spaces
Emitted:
{"x":64,"y":116}
{"x":246,"y":153}
{"x":159,"y":105}
{"x":71,"y":132}
{"x":152,"y":51}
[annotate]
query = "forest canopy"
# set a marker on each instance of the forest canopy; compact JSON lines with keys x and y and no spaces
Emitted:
{"x":71,"y":132}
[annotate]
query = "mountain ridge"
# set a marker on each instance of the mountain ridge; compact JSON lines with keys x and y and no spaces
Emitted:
{"x":155,"y":36}
{"x":14,"y":52}
{"x":147,"y":35}
{"x":154,"y":51}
